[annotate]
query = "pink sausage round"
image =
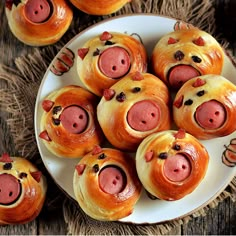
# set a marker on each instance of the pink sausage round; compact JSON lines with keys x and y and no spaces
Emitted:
{"x":114,"y":62}
{"x":144,"y":115}
{"x":10,"y":189}
{"x":177,"y":168}
{"x":37,"y":11}
{"x":210,"y":115}
{"x":180,"y":74}
{"x":74,"y":119}
{"x":111,"y":180}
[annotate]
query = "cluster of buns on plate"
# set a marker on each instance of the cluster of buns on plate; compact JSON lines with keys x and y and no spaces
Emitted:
{"x":44,"y":22}
{"x":157,"y":114}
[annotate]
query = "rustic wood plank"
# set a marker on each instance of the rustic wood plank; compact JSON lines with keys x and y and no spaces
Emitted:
{"x":10,"y":47}
{"x":218,"y":221}
{"x":52,"y":222}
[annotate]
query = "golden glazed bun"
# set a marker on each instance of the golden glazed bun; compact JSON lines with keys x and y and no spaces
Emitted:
{"x":69,"y":126}
{"x":106,"y":184}
{"x":38,"y":22}
{"x":22,"y":190}
{"x":99,"y":7}
{"x":171,"y":164}
{"x":184,"y":54}
{"x":133,"y":108}
{"x":205,"y":107}
{"x":108,"y":57}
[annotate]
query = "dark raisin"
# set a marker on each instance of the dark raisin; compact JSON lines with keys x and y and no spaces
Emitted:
{"x":121,"y":97}
{"x":96,"y":168}
{"x":188,"y":102}
{"x":179,"y":55}
{"x":108,"y":43}
{"x":96,"y":53}
{"x":56,"y":121}
{"x":163,"y":155}
{"x":196,"y":59}
{"x":102,"y":156}
{"x":177,"y":147}
{"x":136,"y":89}
{"x":56,"y":109}
{"x":7,"y":166}
{"x":200,"y":93}
{"x":22,"y":175}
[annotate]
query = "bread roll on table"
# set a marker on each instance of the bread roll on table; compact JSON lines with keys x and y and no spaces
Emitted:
{"x":38,"y":22}
{"x":205,"y":107}
{"x":171,"y":164}
{"x":22,"y":190}
{"x":99,"y":7}
{"x":106,"y":58}
{"x":69,"y":126}
{"x":133,"y":108}
{"x":106,"y":184}
{"x":186,"y":53}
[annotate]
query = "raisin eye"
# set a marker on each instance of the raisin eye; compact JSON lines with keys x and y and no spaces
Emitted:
{"x":196,"y":59}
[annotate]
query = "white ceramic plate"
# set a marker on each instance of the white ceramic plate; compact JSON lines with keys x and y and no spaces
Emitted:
{"x":150,"y":28}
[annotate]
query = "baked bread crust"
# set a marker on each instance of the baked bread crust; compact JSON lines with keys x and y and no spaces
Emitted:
{"x":62,"y":142}
{"x":192,"y":47}
{"x":39,"y":34}
{"x":98,"y":7}
{"x":197,"y":91}
{"x":92,"y":199}
{"x":112,"y":113}
{"x":163,"y":145}
{"x":88,"y":68}
{"x":32,"y":194}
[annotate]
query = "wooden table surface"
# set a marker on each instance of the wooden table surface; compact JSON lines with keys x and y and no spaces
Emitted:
{"x":221,"y":220}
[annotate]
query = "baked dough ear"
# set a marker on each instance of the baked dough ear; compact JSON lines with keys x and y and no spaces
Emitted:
{"x":23,"y":190}
{"x":38,"y":22}
{"x":106,"y":58}
{"x":184,"y":54}
{"x":69,"y":126}
{"x":133,"y":108}
{"x":171,"y":164}
{"x":99,"y":7}
{"x":205,"y":107}
{"x":106,"y":184}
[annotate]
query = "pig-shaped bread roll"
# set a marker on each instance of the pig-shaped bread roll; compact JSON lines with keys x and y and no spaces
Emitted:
{"x":22,"y":190}
{"x":106,"y":58}
{"x":205,"y":107}
{"x":69,"y":127}
{"x":99,"y":7}
{"x":171,"y":164}
{"x":38,"y":22}
{"x":133,"y":108}
{"x":184,"y":54}
{"x":106,"y":184}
